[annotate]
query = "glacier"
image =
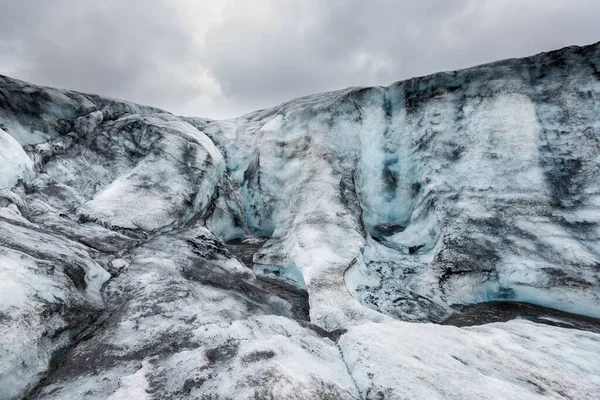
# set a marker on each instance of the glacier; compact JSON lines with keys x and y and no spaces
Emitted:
{"x":317,"y":249}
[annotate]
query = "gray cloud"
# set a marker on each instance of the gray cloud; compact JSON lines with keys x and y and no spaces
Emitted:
{"x":237,"y":56}
{"x":120,"y":48}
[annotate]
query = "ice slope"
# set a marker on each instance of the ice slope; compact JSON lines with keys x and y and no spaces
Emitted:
{"x":377,"y":204}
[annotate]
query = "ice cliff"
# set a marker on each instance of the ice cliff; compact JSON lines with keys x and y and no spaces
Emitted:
{"x":369,"y":213}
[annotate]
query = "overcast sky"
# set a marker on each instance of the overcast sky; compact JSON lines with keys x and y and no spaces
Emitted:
{"x":222,"y":58}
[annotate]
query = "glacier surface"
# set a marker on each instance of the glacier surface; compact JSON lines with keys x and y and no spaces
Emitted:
{"x":311,"y":250}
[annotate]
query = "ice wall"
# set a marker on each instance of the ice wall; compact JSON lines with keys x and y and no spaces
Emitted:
{"x":483,"y":183}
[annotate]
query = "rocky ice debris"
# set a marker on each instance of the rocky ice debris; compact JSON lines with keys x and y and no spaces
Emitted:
{"x":310,"y":250}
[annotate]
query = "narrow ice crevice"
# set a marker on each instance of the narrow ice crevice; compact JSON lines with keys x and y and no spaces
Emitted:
{"x":358,"y":392}
{"x":240,"y":204}
{"x":503,"y":311}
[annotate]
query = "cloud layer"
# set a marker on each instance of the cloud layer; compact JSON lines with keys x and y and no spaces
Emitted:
{"x":223,"y":58}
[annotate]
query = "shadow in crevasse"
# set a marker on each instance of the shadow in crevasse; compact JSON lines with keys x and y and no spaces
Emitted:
{"x":244,"y":249}
{"x":502,"y":311}
{"x":464,"y":315}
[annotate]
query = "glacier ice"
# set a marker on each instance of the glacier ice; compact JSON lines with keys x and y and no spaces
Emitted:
{"x":15,"y":165}
{"x":308,"y":250}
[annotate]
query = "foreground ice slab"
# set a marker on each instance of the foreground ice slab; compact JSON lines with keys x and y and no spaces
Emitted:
{"x":186,"y":320}
{"x":120,"y":276}
{"x":513,"y":360}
